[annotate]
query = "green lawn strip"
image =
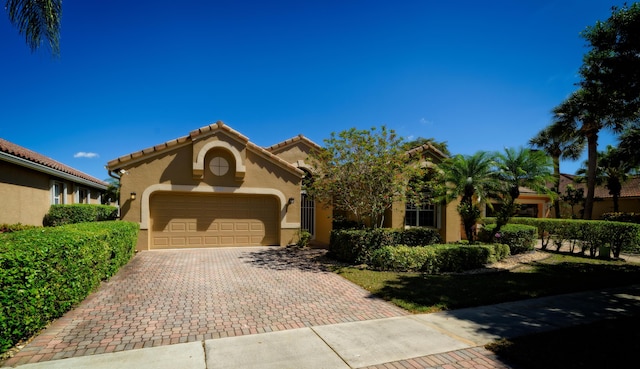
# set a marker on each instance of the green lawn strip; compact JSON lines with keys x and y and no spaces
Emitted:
{"x":421,"y":293}
{"x":606,"y":344}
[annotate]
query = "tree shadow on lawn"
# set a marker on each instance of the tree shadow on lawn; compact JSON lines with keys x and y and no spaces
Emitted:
{"x":427,"y":293}
{"x":611,"y":343}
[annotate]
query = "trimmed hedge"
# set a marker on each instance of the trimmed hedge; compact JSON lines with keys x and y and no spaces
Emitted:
{"x":520,"y":238}
{"x":622,"y":217}
{"x":585,"y":234}
{"x":435,"y":259}
{"x":45,"y":271}
{"x":8,"y":228}
{"x":356,"y":245}
{"x":79,"y":213}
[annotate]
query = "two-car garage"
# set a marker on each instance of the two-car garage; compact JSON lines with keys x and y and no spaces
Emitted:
{"x":187,"y":220}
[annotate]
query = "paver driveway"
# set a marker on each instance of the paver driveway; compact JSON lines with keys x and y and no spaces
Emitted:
{"x":176,"y":296}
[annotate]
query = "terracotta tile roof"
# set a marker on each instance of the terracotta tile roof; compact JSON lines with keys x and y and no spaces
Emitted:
{"x":630,"y":188}
{"x":426,"y":147}
{"x":32,"y":156}
{"x":180,"y":140}
{"x":114,"y":164}
{"x":292,"y":141}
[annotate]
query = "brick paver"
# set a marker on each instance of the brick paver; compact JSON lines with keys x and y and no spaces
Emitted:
{"x":177,"y":296}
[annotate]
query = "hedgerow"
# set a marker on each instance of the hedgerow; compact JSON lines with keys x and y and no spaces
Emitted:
{"x":587,"y":235}
{"x":357,"y":245}
{"x":79,"y":213}
{"x":520,"y":238}
{"x":435,"y":259}
{"x":8,"y":228}
{"x":45,"y":271}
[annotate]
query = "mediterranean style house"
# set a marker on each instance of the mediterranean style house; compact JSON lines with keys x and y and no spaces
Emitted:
{"x":214,"y":187}
{"x":30,"y":183}
{"x":628,"y":202}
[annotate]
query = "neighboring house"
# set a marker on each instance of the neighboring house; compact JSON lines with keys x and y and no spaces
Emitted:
{"x":532,"y":205}
{"x":214,"y":188}
{"x":30,"y":183}
{"x":628,"y":202}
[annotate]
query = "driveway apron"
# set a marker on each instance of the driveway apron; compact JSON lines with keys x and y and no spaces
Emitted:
{"x":177,"y":296}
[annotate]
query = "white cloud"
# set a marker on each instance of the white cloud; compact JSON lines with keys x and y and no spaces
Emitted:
{"x":89,"y":155}
{"x":424,"y":121}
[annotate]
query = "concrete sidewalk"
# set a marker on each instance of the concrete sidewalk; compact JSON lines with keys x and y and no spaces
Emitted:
{"x":453,"y":338}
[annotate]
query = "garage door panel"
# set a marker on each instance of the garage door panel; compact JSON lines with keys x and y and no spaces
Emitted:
{"x":187,"y":220}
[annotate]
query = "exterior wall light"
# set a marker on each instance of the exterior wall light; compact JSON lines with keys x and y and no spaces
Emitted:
{"x":291,"y":200}
{"x":132,"y":196}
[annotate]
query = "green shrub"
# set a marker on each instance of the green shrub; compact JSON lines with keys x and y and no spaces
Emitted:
{"x":79,"y":213}
{"x":520,"y":238}
{"x":357,"y":245}
{"x":8,"y":228}
{"x":346,"y":224}
{"x":303,"y":238}
{"x":437,"y":258}
{"x":622,"y":217}
{"x":420,"y":236}
{"x":403,"y":258}
{"x":588,"y":235}
{"x":45,"y":271}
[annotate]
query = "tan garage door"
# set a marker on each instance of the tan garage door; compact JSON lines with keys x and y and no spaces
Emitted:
{"x":189,"y":220}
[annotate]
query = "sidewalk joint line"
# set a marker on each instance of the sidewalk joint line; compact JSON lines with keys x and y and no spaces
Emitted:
{"x":332,"y":349}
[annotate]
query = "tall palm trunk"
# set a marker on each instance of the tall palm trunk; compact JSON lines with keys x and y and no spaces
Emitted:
{"x":592,"y":150}
{"x":556,"y":185}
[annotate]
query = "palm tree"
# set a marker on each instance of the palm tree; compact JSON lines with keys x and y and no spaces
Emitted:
{"x":37,"y":20}
{"x":469,"y":177}
{"x":612,"y":171}
{"x":587,"y":113}
{"x":520,"y":168}
{"x":112,"y":194}
{"x":628,"y":146}
{"x":558,"y":144}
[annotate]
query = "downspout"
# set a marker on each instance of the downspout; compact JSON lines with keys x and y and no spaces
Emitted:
{"x":115,"y":176}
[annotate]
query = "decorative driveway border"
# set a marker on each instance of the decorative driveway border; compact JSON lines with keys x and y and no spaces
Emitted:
{"x":177,"y":296}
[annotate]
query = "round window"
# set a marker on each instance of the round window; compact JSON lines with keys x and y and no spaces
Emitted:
{"x":219,"y":166}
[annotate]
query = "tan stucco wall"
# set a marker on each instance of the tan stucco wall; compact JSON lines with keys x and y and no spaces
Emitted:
{"x":626,"y":205}
{"x":451,"y":224}
{"x":449,"y":220}
{"x":293,"y":153}
{"x":25,"y":195}
{"x":172,"y":170}
{"x":324,"y":223}
{"x":601,"y":206}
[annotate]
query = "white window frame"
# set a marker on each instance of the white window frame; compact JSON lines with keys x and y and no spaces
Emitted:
{"x":76,"y":195}
{"x":417,"y":209}
{"x":60,"y":195}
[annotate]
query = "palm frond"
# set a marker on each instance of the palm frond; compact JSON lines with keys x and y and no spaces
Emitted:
{"x":37,"y":21}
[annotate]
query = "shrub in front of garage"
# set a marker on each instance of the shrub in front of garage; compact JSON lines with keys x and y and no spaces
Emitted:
{"x":45,"y":271}
{"x":79,"y":213}
{"x":435,"y":259}
{"x":357,"y":245}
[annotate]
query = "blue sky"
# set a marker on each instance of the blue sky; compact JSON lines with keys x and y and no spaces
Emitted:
{"x":480,"y":75}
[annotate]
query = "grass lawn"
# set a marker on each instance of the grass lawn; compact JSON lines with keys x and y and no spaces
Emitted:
{"x":605,"y":344}
{"x":420,"y":293}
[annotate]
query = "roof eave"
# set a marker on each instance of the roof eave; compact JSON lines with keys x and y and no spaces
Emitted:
{"x":47,"y":170}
